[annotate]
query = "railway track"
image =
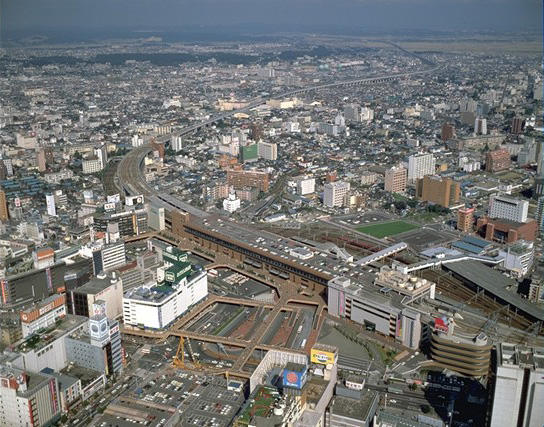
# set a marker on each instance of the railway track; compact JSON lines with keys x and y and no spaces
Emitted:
{"x":456,"y":290}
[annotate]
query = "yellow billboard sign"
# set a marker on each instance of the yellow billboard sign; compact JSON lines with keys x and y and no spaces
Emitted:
{"x":321,"y":356}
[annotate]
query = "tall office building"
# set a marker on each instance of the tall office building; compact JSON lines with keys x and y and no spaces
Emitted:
{"x":28,"y":398}
{"x":395,"y":180}
{"x":420,"y":165}
{"x":98,"y":347}
{"x":334,"y":193}
{"x":305,"y":185}
{"x":465,"y":219}
{"x":176,"y":143}
{"x":51,"y":206}
{"x":267,"y":150}
{"x":4,"y":212}
{"x":352,"y":113}
{"x":540,"y":215}
{"x":41,"y":160}
{"x":508,"y":208}
{"x":441,"y":191}
{"x":519,"y":387}
{"x":109,"y":257}
{"x":517,"y":125}
{"x":480,"y":126}
{"x":448,"y":132}
{"x":497,"y":160}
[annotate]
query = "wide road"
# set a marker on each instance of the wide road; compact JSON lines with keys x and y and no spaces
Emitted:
{"x":129,"y":170}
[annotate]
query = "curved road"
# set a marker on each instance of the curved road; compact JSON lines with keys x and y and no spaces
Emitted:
{"x":129,"y":172}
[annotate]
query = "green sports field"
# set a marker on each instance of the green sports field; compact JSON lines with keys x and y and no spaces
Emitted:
{"x":386,"y":229}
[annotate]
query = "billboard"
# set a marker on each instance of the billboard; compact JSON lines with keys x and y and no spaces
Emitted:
{"x":322,"y":357}
{"x":292,"y":378}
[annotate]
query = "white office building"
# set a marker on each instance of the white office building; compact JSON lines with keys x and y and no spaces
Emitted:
{"x":518,"y":257}
{"x":367,"y":114}
{"x":91,"y":166}
{"x":177,"y":143}
{"x":334,"y":193}
{"x":519,"y":387}
{"x":420,"y":165}
{"x":157,"y":307}
{"x":232,"y":203}
{"x":267,"y":150}
{"x":305,"y":185}
{"x":508,"y":208}
{"x":109,"y":257}
{"x":51,"y":207}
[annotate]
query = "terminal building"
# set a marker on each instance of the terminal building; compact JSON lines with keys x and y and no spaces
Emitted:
{"x":181,"y":286}
{"x":380,"y":306}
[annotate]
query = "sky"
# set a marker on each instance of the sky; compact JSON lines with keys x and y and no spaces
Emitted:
{"x":33,"y":16}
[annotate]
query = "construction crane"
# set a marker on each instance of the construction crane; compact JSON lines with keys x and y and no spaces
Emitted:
{"x":179,"y":358}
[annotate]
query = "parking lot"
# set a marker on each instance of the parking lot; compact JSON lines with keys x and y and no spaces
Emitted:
{"x":176,"y":397}
{"x":226,"y":282}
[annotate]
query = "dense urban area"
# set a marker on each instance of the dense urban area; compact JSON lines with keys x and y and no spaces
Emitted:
{"x":306,"y":231}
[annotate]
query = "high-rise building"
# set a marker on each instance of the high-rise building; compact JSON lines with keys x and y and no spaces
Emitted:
{"x":508,"y":208}
{"x":540,"y":215}
{"x":497,"y":160}
{"x":107,"y":288}
{"x":41,"y":160}
{"x":420,"y":165}
{"x":335,"y":193}
{"x":28,"y":398}
{"x":267,"y":150}
{"x":176,"y":143}
{"x":156,"y":218}
{"x":448,"y":132}
{"x":519,"y":387}
{"x":305,"y":185}
{"x":480,"y":126}
{"x":465,"y":219}
{"x":109,"y":257}
{"x":97,"y":347}
{"x":441,"y":191}
{"x":248,"y":153}
{"x":231,"y":203}
{"x":92,"y":165}
{"x":4,"y":212}
{"x":51,"y":206}
{"x":517,"y":125}
{"x":395,"y":180}
{"x":351,"y":112}
{"x":42,"y":314}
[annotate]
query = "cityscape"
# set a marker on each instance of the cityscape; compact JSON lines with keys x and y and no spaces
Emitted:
{"x":271,"y":228}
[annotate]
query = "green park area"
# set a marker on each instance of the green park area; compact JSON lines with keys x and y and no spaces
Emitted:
{"x":387,"y":229}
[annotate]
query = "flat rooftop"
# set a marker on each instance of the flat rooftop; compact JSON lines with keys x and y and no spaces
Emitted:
{"x":357,"y":409}
{"x":495,"y":283}
{"x":62,"y":327}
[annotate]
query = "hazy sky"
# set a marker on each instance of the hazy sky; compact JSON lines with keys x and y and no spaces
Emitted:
{"x":387,"y":15}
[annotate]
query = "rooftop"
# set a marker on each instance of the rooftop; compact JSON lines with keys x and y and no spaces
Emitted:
{"x":356,"y":409}
{"x":495,"y":283}
{"x":61,"y":327}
